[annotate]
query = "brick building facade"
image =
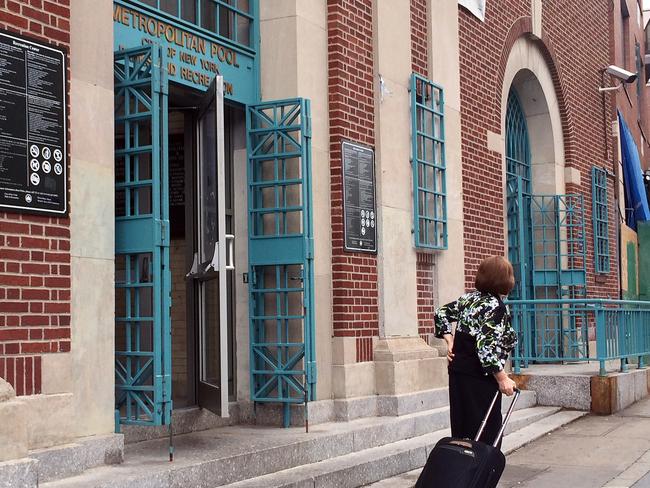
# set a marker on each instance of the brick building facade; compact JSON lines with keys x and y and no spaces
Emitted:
{"x":34,"y":251}
{"x":351,"y":115}
{"x":576,"y":63}
{"x":367,"y":317}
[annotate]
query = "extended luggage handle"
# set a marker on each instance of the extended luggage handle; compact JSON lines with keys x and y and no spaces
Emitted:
{"x":505,"y":421}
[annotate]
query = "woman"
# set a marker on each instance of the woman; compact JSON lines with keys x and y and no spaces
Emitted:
{"x":478,"y":349}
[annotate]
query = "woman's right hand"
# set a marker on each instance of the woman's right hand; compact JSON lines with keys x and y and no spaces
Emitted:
{"x":449,"y":339}
{"x":506,"y":384}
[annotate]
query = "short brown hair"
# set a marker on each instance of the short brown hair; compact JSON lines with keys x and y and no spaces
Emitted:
{"x":495,"y":275}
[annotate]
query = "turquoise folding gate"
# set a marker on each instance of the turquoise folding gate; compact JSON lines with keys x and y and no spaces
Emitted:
{"x":547,"y":247}
{"x":282,"y":346}
{"x":142,"y":274}
{"x":518,"y":189}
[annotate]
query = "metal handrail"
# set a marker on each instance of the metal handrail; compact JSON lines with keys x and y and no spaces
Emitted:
{"x":561,"y":330}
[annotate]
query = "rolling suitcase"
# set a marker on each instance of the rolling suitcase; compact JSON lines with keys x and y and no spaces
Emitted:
{"x":466,"y":463}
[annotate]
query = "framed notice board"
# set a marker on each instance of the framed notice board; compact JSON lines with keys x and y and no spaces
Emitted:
{"x":359,"y":203}
{"x":33,"y":132}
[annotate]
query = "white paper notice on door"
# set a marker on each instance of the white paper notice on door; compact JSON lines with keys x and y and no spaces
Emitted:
{"x":476,"y":7}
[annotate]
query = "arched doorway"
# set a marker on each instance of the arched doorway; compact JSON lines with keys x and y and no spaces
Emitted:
{"x":545,"y":226}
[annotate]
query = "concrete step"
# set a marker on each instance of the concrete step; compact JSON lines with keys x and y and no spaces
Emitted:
{"x":527,"y":399}
{"x":231,"y":454}
{"x":43,"y":465}
{"x":511,"y":443}
{"x":360,"y":468}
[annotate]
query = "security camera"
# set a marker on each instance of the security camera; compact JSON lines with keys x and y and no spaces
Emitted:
{"x":624,"y":75}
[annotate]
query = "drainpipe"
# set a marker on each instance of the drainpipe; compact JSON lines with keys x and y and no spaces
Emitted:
{"x":616,"y":174}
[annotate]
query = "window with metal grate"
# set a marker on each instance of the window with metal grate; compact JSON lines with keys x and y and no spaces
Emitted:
{"x":428,"y":161}
{"x":600,"y":219}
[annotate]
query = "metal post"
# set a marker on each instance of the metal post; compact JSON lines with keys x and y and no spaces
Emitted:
{"x":622,"y":340}
{"x":601,"y":339}
{"x":640,"y":346}
{"x":171,"y":441}
{"x":518,"y":329}
{"x":527,"y":336}
{"x":306,"y":410}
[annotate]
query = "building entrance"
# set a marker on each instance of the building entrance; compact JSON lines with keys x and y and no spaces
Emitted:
{"x":174,"y":242}
{"x":178,"y":146}
{"x":202,"y":215}
{"x":546,"y":245}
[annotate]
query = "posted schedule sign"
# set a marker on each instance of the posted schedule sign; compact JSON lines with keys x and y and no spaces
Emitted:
{"x":359,"y":205}
{"x":33,"y":135}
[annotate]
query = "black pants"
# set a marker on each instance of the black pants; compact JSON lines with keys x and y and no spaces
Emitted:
{"x":469,"y":400}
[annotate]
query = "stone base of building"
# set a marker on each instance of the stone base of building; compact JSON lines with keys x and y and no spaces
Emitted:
{"x":43,"y":465}
{"x":580,"y":387}
{"x":406,"y":365}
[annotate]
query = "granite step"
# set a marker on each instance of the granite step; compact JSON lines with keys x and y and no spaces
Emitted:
{"x":230,"y":454}
{"x":66,"y":460}
{"x":407,"y":456}
{"x":511,"y":442}
{"x":235,"y":453}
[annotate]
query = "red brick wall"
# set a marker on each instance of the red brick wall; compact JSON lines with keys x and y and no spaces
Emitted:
{"x":576,"y":46}
{"x":351,"y":117}
{"x":34,"y":250}
{"x":622,"y":48}
{"x":419,"y":37}
{"x":425,"y":289}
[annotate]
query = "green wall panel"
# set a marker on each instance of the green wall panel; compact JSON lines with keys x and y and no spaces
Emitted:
{"x":643,"y":231}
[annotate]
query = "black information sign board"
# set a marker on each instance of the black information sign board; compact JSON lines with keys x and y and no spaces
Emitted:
{"x":359,"y":205}
{"x":176,"y":150}
{"x":33,"y":133}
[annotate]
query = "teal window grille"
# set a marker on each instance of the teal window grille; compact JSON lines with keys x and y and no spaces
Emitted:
{"x":601,"y":219}
{"x":229,"y":19}
{"x":518,"y":192}
{"x":428,"y":161}
{"x":517,"y":143}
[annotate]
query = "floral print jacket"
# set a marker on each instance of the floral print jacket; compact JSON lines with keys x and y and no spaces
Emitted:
{"x":484,"y":335}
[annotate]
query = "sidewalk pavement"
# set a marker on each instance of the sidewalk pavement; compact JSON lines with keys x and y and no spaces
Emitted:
{"x":593,"y":452}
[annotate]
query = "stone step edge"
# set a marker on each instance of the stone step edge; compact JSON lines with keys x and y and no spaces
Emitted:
{"x":392,"y":426}
{"x":63,"y":461}
{"x":379,"y":462}
{"x":511,"y":443}
{"x":439,"y":416}
{"x":193,"y":419}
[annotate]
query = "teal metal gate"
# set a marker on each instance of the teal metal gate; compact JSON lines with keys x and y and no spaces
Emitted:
{"x":547,"y":236}
{"x":546,"y":246}
{"x":518,"y":190}
{"x":282,"y":346}
{"x":142,"y":274}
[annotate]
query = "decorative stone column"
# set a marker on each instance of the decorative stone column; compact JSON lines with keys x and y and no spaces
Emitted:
{"x":404,"y":362}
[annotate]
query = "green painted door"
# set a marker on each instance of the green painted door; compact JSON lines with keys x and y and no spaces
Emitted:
{"x":280,"y":253}
{"x":142,"y":274}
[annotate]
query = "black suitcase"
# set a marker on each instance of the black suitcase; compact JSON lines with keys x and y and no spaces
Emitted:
{"x":466,"y":463}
